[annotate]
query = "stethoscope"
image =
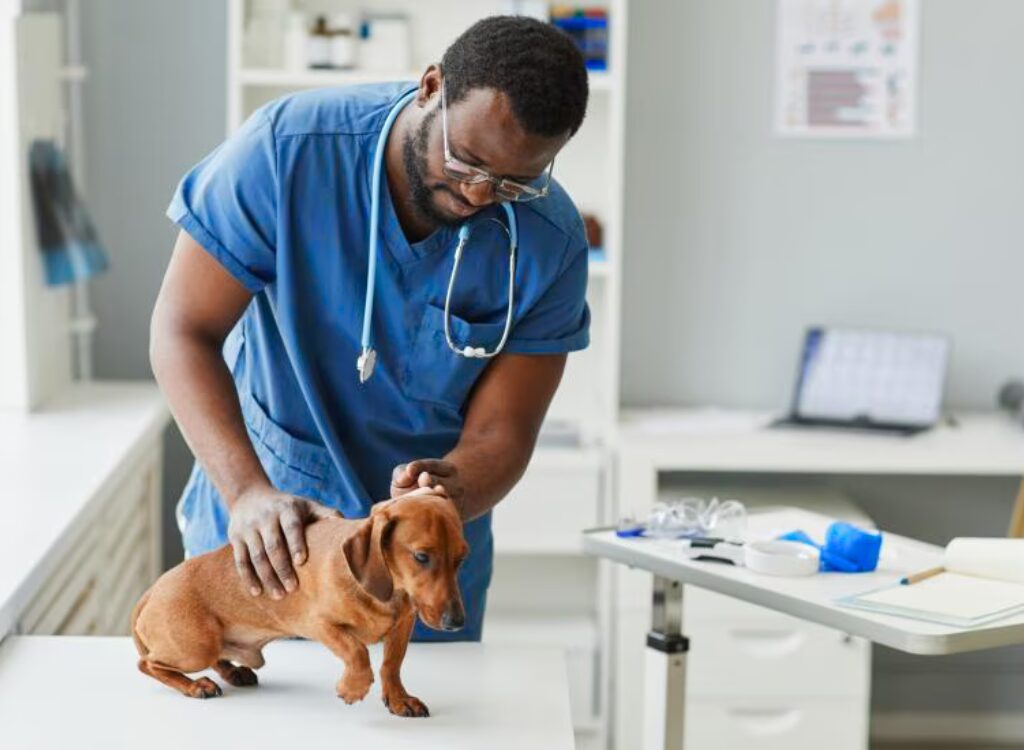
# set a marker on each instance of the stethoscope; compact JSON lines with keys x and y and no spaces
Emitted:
{"x":368,"y":356}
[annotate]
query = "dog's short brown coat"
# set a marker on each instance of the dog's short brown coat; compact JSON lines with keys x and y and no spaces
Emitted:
{"x":361,"y":584}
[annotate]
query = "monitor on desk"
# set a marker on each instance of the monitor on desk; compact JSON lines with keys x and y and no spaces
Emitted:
{"x":870,"y":379}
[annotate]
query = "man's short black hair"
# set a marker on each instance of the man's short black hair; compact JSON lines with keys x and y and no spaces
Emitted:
{"x":536,"y":65}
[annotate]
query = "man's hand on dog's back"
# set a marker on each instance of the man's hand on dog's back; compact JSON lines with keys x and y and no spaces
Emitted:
{"x":267,"y":532}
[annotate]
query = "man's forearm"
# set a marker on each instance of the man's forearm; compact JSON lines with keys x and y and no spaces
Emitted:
{"x":489,"y":465}
{"x":202,"y":397}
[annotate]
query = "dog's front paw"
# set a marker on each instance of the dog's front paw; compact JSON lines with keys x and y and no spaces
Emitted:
{"x":353,"y":688}
{"x":204,"y":687}
{"x":403,"y":704}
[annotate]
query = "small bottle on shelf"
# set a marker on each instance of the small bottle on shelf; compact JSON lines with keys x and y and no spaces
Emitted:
{"x":343,"y":41}
{"x":318,"y":45}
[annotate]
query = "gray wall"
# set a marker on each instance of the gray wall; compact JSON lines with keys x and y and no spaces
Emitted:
{"x":154,"y":104}
{"x":738,"y":239}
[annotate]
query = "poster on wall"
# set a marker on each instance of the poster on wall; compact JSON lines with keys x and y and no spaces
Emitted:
{"x":846,"y":68}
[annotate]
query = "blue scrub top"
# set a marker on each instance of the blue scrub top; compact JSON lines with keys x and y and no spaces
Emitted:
{"x":284,"y":206}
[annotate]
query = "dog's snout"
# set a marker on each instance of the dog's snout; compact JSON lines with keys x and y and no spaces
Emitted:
{"x":454,"y":617}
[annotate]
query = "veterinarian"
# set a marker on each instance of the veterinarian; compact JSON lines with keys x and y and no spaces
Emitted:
{"x":259,"y":323}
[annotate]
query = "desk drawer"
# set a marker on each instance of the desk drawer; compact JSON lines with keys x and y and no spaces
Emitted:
{"x":67,"y":601}
{"x":776,"y":724}
{"x":703,"y":605}
{"x":556,"y":499}
{"x":779,"y":657}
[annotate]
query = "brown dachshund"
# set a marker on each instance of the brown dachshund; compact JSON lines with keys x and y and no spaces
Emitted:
{"x":365,"y":581}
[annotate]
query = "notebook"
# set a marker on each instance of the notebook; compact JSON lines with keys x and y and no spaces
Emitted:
{"x":983,"y":582}
{"x":948,"y":599}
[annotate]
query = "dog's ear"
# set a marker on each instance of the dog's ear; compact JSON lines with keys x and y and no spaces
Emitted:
{"x":364,"y":551}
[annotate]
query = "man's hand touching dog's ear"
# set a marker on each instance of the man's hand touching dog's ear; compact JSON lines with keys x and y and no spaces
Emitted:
{"x":428,"y":472}
{"x":267,"y":532}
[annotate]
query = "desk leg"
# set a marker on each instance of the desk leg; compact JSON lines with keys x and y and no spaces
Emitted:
{"x":665,"y":669}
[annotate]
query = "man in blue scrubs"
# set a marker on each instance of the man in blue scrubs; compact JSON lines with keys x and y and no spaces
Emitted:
{"x":256,"y":330}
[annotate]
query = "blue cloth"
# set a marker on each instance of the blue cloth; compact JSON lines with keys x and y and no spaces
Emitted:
{"x":847,"y":549}
{"x":284,"y":206}
{"x":67,"y":237}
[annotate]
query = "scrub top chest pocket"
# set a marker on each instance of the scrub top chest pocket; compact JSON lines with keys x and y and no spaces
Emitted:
{"x":434,"y":372}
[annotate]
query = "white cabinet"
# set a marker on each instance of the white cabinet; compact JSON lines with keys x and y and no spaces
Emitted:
{"x":110,"y":559}
{"x":769,"y":654}
{"x":760,"y":678}
{"x":559,"y":495}
{"x":781,"y":723}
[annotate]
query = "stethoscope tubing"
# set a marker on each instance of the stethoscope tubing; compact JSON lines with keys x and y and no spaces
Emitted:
{"x":365,"y":362}
{"x":465,"y":231}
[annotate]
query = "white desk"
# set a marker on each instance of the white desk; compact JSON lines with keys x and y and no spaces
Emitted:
{"x":810,"y":598}
{"x":981,"y":444}
{"x":652,"y":443}
{"x":64,"y":692}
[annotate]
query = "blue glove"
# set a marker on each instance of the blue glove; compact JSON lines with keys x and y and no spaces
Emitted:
{"x":847,"y":549}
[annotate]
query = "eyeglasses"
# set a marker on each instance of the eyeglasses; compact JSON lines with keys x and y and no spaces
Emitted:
{"x":506,"y":190}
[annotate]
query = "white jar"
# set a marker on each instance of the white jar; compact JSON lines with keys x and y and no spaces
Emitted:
{"x":318,"y":45}
{"x":343,"y":40}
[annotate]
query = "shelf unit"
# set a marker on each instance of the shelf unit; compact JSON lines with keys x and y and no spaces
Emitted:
{"x":544,"y":591}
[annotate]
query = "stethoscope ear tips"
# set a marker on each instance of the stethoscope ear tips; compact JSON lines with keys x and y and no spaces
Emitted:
{"x":474,"y":352}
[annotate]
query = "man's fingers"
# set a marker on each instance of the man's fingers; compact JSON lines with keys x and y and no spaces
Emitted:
{"x":261,"y":562}
{"x":295,"y":535}
{"x":279,"y":554}
{"x":316,"y":510}
{"x":244,"y":567}
{"x":401,"y":476}
{"x":436,"y":466}
{"x":430,"y":481}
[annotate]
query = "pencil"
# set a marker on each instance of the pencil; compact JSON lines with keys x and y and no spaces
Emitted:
{"x":916,"y":577}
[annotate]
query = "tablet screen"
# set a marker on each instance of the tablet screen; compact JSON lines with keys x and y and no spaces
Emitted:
{"x":877,"y":376}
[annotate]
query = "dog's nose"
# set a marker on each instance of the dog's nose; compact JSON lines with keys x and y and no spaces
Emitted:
{"x":454,"y":618}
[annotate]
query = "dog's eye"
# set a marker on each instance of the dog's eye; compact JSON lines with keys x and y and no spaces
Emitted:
{"x":421,"y":557}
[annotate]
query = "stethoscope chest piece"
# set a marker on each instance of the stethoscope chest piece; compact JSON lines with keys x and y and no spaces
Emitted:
{"x":365,"y":364}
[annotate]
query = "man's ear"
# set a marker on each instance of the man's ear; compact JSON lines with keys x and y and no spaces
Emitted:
{"x":430,"y":83}
{"x":364,"y":551}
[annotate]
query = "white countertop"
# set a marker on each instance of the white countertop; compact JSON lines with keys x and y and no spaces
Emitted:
{"x":54,"y":464}
{"x":813,"y":598}
{"x":65,"y":692}
{"x":711,"y":439}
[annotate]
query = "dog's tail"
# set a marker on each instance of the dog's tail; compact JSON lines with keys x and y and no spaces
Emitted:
{"x":139,"y":645}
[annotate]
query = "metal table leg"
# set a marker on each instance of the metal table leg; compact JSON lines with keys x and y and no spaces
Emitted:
{"x":665,"y":672}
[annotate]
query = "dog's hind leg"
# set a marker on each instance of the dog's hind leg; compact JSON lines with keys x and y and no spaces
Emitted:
{"x":234,"y":675}
{"x":204,"y":687}
{"x":247,"y":656}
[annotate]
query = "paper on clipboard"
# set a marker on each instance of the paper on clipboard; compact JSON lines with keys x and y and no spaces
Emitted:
{"x":947,"y":599}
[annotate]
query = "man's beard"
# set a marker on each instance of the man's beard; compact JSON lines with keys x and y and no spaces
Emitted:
{"x":414,"y":159}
